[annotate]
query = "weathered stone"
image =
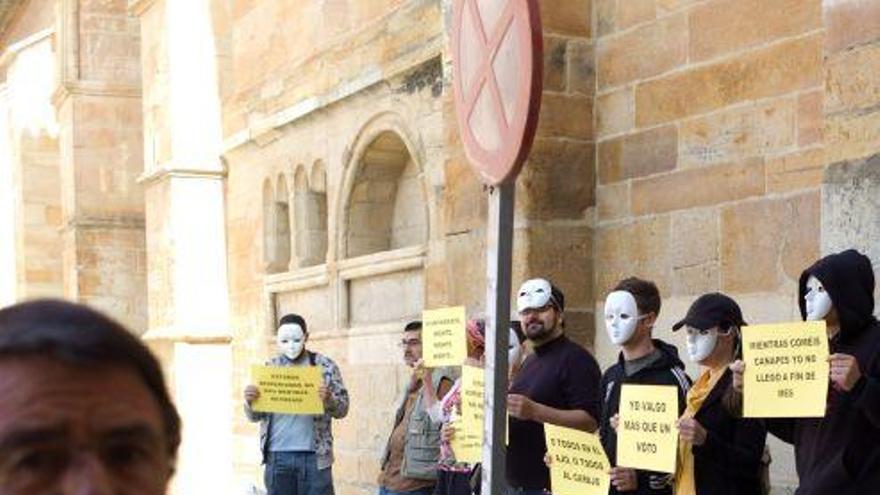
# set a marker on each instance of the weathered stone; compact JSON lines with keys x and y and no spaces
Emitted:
{"x":559,"y":179}
{"x":634,"y":12}
{"x":568,"y":116}
{"x":695,"y":251}
{"x":555,"y":57}
{"x":581,"y":68}
{"x":698,"y":187}
{"x":606,"y":16}
{"x":646,"y":51}
{"x":809,"y":118}
{"x":615,"y":112}
{"x":779,"y":236}
{"x":638,"y":155}
{"x":801,"y":170}
{"x":570,"y":17}
{"x":722,"y":26}
{"x":852,"y":79}
{"x":775,"y":70}
{"x":850,"y":22}
{"x":641,"y":247}
{"x":850,"y":137}
{"x":850,"y":209}
{"x":613,"y":201}
{"x":766,"y":128}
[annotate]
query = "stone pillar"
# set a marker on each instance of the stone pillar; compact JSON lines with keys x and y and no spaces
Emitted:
{"x":183,"y":180}
{"x":99,"y":111}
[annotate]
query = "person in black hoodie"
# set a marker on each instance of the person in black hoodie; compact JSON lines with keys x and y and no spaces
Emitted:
{"x":839,"y":453}
{"x":719,"y":454}
{"x":630,"y":312}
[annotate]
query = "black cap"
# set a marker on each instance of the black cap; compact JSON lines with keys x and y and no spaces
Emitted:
{"x":710,"y":310}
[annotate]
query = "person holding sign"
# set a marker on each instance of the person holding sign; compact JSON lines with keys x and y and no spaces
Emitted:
{"x":298,"y":448}
{"x":409,"y":464}
{"x":839,"y":453}
{"x":719,"y":454}
{"x":630,"y":313}
{"x":453,"y":474}
{"x":557,"y":384}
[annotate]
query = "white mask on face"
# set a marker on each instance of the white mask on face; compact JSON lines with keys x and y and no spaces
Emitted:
{"x":291,"y":340}
{"x":818,"y":302}
{"x":514,"y":350}
{"x":701,"y":344}
{"x":621,"y":316}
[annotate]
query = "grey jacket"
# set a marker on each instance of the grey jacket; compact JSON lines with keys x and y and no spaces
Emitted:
{"x":336,"y":406}
{"x":421,"y":450}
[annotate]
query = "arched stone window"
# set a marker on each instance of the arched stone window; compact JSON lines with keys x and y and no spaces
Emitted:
{"x":310,"y":211}
{"x":387,"y":208}
{"x":276,"y":226}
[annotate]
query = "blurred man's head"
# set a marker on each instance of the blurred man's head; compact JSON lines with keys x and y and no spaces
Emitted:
{"x":412,"y":342}
{"x":83,"y":406}
{"x":541,"y":307}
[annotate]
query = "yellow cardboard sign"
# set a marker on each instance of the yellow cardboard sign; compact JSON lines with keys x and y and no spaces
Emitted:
{"x":288,"y":389}
{"x":786,"y":373}
{"x":467,"y":444}
{"x":646,"y":436}
{"x":578,"y":465}
{"x":443,"y":337}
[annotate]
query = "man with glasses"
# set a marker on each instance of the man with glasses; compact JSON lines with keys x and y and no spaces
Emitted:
{"x":557,"y":384}
{"x":409,"y":465}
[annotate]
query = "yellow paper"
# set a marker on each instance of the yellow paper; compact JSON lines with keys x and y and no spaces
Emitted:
{"x":647,"y":437}
{"x":288,"y":389}
{"x":579,"y":465}
{"x":468,"y":441}
{"x":786,"y":372}
{"x":443,"y":337}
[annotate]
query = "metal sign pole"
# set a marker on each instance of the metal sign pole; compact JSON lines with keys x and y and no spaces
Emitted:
{"x":499,"y":251}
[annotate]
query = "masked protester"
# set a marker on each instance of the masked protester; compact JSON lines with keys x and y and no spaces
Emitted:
{"x":558,"y":384}
{"x":838,"y":454}
{"x":719,"y":454}
{"x":630,"y":313}
{"x":298,"y":448}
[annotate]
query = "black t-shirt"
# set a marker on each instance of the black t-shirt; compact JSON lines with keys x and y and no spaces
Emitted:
{"x":562,"y":375}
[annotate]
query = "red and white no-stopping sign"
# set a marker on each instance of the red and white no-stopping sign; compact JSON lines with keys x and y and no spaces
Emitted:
{"x":498,"y":69}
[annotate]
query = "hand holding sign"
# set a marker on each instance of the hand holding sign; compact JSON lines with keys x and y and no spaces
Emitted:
{"x":287,"y":390}
{"x":646,"y":434}
{"x":787,"y":369}
{"x":578,"y":465}
{"x":444,"y":337}
{"x":845,"y":371}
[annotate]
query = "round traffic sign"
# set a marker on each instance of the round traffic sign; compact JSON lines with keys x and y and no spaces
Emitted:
{"x":497,"y":82}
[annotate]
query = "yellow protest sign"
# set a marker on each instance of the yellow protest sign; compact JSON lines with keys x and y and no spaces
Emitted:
{"x":646,"y":436}
{"x":288,"y":389}
{"x":443,"y":337}
{"x":467,"y":443}
{"x":578,"y":465}
{"x":786,"y":373}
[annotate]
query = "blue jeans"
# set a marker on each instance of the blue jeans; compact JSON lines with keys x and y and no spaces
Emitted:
{"x":421,"y":491}
{"x":296,"y":473}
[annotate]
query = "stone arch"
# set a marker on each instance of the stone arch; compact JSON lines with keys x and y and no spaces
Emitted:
{"x":383,"y":200}
{"x":310,"y":213}
{"x":279,"y":228}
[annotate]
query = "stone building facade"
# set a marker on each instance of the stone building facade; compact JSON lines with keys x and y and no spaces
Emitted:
{"x":198,"y":168}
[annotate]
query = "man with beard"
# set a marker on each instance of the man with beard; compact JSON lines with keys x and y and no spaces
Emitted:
{"x":557,"y":384}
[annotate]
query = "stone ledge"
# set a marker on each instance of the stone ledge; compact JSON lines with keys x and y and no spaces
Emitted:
{"x":383,"y":263}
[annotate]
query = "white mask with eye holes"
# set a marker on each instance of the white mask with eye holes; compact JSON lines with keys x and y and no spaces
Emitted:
{"x":514,"y":349}
{"x":291,"y":340}
{"x":621,"y":316}
{"x":818,"y":302}
{"x":701,"y":343}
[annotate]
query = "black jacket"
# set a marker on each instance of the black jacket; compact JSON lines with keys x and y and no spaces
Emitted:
{"x":668,"y":370}
{"x":729,"y":462}
{"x":839,"y":454}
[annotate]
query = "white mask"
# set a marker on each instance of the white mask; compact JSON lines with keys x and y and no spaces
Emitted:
{"x":621,"y":316}
{"x":533,"y":294}
{"x":514,"y":349}
{"x":291,"y":340}
{"x":818,"y":302}
{"x":700,"y":345}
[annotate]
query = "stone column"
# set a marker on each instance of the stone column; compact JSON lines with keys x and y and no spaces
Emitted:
{"x":183,"y":179}
{"x":99,"y":112}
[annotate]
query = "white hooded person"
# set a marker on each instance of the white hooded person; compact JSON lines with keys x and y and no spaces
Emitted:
{"x":298,"y":448}
{"x":630,"y":311}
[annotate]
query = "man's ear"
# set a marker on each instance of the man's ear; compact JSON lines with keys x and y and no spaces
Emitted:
{"x":649,"y":320}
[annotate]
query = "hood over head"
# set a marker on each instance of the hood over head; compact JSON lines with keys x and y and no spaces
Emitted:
{"x":848,"y":278}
